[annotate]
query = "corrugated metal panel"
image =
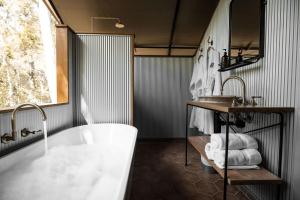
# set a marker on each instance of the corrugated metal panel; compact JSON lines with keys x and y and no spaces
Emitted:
{"x":295,"y":168}
{"x":58,"y":117}
{"x":104,"y":78}
{"x":160,"y":92}
{"x":274,"y":78}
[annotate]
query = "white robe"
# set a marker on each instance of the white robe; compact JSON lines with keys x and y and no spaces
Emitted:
{"x":218,"y":31}
{"x":212,"y":86}
{"x":197,"y":89}
{"x":206,"y":81}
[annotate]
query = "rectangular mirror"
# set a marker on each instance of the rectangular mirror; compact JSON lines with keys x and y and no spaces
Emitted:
{"x":246,"y":40}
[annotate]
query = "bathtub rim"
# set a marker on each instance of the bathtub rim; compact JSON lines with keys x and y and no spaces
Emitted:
{"x":33,"y":141}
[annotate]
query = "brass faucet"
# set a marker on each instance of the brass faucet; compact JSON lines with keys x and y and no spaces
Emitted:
{"x":244,"y":102}
{"x":12,"y":137}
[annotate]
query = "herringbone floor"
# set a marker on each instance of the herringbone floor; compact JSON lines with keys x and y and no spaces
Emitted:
{"x":159,"y":174}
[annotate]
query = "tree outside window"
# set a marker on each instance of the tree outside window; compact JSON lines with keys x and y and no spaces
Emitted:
{"x":27,"y":53}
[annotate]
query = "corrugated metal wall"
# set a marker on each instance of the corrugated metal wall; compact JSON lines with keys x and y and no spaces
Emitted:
{"x":104,"y":78}
{"x":160,"y":92}
{"x":58,"y":117}
{"x":274,"y":78}
{"x":296,"y":139}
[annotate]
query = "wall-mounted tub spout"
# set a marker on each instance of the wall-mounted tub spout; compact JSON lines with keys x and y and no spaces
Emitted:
{"x":12,"y":137}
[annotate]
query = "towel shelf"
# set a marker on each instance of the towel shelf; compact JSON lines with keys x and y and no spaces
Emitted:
{"x":236,"y":177}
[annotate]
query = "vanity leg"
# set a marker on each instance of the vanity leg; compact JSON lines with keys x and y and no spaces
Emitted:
{"x":226,"y":158}
{"x":186,"y":132}
{"x":280,"y":153}
{"x":217,"y":123}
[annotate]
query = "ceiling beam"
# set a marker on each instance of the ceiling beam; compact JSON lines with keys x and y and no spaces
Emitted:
{"x":173,"y":26}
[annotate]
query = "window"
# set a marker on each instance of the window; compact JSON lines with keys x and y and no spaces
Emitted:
{"x":28,"y":54}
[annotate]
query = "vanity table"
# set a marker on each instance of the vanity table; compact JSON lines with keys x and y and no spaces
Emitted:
{"x":233,"y":176}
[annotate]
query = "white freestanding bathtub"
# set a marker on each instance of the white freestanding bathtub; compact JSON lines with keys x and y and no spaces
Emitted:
{"x":87,"y":162}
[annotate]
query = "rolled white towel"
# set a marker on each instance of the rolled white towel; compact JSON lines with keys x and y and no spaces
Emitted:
{"x":236,"y":141}
{"x":218,"y":141}
{"x":209,"y":150}
{"x":245,"y":157}
{"x":252,"y":156}
{"x":235,"y":157}
{"x":248,"y":141}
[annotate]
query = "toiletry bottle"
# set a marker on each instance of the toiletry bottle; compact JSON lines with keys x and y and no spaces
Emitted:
{"x":224,"y":60}
{"x":239,"y":58}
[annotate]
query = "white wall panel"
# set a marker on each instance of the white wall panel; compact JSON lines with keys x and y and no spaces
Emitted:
{"x":103,"y":78}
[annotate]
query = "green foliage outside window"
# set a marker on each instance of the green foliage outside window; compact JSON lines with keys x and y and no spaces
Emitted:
{"x":23,"y":75}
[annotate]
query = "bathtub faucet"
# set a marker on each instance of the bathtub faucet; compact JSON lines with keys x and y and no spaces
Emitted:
{"x":12,"y":137}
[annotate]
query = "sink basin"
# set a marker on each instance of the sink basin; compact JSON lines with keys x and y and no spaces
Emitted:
{"x":217,"y":99}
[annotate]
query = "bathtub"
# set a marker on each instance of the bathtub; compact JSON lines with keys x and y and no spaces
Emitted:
{"x":86,"y":162}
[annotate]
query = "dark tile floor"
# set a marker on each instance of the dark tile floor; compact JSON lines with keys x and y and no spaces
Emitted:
{"x":160,"y":174}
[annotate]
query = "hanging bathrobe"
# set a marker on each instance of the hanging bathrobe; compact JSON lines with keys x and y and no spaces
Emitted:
{"x":212,"y":86}
{"x":197,"y":90}
{"x":218,"y":32}
{"x":196,"y":81}
{"x":213,"y":81}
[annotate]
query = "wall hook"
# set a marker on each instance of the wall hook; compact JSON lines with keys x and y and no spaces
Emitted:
{"x":211,"y":42}
{"x":200,"y":55}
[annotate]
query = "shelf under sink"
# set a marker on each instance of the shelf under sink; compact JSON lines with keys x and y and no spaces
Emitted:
{"x":235,"y":176}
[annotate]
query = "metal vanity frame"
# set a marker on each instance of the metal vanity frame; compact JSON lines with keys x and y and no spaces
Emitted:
{"x":227,"y":110}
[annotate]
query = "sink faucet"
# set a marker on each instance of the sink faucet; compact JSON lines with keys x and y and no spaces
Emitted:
{"x":12,"y":137}
{"x":243,"y":84}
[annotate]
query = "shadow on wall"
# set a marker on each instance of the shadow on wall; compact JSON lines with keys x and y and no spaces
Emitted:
{"x":160,"y":93}
{"x":148,"y":125}
{"x":83,"y":116}
{"x":86,"y":116}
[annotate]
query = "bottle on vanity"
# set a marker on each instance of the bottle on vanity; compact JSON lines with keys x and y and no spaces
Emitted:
{"x":225,"y":59}
{"x":239,"y":58}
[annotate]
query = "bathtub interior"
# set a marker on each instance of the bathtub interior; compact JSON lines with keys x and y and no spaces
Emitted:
{"x":114,"y":142}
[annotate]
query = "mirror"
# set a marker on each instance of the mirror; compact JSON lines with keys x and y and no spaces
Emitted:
{"x":246,"y":42}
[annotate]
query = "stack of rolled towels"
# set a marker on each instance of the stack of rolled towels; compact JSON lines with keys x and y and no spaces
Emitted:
{"x":242,"y":151}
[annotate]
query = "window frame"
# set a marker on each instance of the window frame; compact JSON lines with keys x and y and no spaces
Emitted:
{"x":62,"y":64}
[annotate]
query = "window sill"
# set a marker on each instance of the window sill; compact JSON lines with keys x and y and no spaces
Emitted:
{"x":8,"y":110}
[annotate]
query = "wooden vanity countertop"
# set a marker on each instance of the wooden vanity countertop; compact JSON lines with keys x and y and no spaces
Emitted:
{"x":222,"y":107}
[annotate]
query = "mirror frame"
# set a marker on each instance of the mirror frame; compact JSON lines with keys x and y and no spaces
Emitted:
{"x":261,"y":35}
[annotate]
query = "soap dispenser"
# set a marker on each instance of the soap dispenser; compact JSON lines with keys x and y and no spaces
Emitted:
{"x":225,"y":59}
